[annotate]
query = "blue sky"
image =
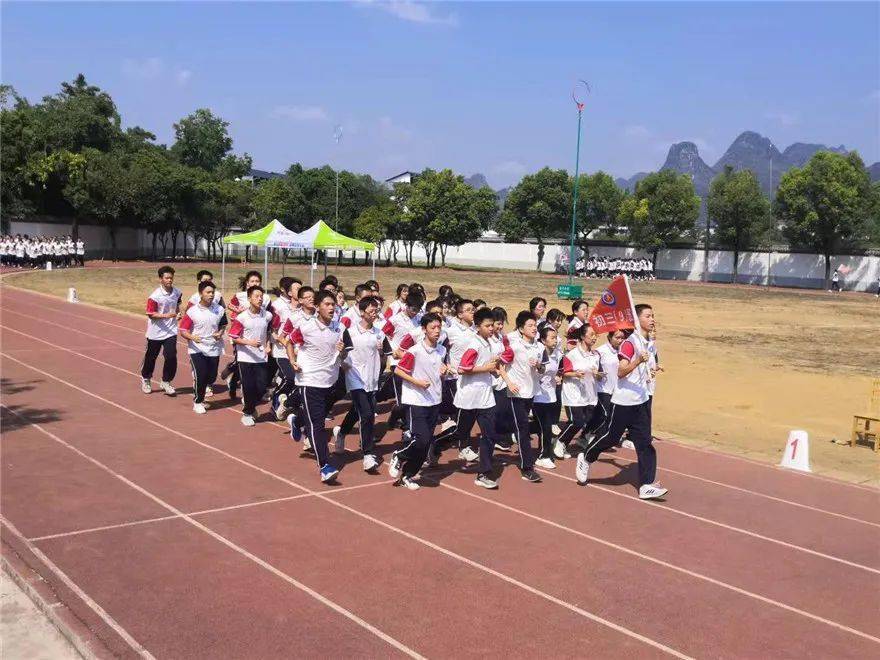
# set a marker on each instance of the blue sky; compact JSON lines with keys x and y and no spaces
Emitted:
{"x":478,"y":87}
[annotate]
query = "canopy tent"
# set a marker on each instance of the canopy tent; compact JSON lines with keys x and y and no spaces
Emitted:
{"x":272,"y":235}
{"x":317,"y":237}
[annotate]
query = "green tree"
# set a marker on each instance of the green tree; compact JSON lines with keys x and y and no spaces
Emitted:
{"x":201,"y":140}
{"x":538,"y":207}
{"x":282,"y":200}
{"x":599,"y":199}
{"x":374,"y":224}
{"x":825,"y":205}
{"x":740,"y":211}
{"x":662,"y":210}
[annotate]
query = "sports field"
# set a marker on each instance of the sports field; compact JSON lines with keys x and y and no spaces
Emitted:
{"x":743,"y":365}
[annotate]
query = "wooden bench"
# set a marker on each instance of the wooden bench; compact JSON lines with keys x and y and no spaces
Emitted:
{"x":868,"y":425}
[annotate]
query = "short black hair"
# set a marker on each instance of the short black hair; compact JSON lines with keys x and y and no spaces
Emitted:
{"x":642,"y":307}
{"x":207,"y":283}
{"x":322,"y":295}
{"x":581,"y":332}
{"x":255,"y":287}
{"x":499,"y":314}
{"x":202,"y":273}
{"x":546,"y":329}
{"x":360,"y":289}
{"x":483,"y":314}
{"x":242,"y":281}
{"x":522,"y":317}
{"x":372,"y":284}
{"x":479,"y":302}
{"x":534,"y":302}
{"x":460,"y":303}
{"x":284,"y":284}
{"x":576,"y":305}
{"x":303,"y":290}
{"x":165,"y":269}
{"x":368,"y":301}
{"x":430,"y":318}
{"x":444,"y":290}
{"x":434,"y":303}
{"x":401,"y":287}
{"x":414,"y":301}
{"x":555,"y":315}
{"x":327,"y":281}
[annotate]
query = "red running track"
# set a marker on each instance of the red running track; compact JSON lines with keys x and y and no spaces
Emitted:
{"x":169,"y":534}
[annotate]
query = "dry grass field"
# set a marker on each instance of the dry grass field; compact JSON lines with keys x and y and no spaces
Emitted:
{"x":743,"y":365}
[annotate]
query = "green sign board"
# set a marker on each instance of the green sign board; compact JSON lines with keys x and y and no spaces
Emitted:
{"x":569,"y":291}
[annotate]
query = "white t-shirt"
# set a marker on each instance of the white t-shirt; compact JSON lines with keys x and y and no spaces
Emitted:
{"x":459,"y":337}
{"x":248,"y":325}
{"x":633,"y":390}
{"x":610,"y":361}
{"x":281,"y":311}
{"x":163,"y":302}
{"x":399,"y":326}
{"x":423,"y":362}
{"x":474,"y":391}
{"x":317,"y":355}
{"x":195,"y":298}
{"x":80,"y":247}
{"x":204,"y":322}
{"x":580,"y":391}
{"x":547,"y":382}
{"x":363,"y":363}
{"x":517,"y":356}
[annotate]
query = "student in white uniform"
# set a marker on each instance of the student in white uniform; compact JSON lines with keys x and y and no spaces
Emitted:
{"x":202,"y":326}
{"x":250,"y":334}
{"x":580,"y":375}
{"x":609,"y":363}
{"x":163,"y":310}
{"x":545,"y":409}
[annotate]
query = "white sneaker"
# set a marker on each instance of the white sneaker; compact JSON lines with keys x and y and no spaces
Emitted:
{"x":168,"y":388}
{"x":409,"y":483}
{"x":560,"y":451}
{"x":627,"y":444}
{"x":546,"y":463}
{"x":468,"y":454}
{"x":513,"y":438}
{"x":556,"y":430}
{"x":370,"y":463}
{"x":394,"y":466}
{"x":199,"y":408}
{"x":651,"y":491}
{"x":307,"y":443}
{"x":582,"y":469}
{"x":209,"y":391}
{"x":338,"y":440}
{"x":247,"y":420}
{"x":448,"y":424}
{"x":146,"y":388}
{"x":485,"y":481}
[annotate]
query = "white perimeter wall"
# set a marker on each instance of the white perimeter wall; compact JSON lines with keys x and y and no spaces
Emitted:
{"x":779,"y":268}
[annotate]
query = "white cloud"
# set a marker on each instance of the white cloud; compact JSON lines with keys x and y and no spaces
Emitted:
{"x":410,"y":11}
{"x":783,"y":118}
{"x":183,"y":76}
{"x":299,"y":112}
{"x":388,"y":130}
{"x":512,"y":168}
{"x":637,"y":131}
{"x":145,"y":69}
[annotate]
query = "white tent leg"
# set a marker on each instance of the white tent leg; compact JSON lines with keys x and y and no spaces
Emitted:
{"x":374,"y":264}
{"x":222,"y":266}
{"x":312,"y":269}
{"x":265,"y":266}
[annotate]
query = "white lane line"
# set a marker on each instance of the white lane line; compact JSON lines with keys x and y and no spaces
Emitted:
{"x":322,"y":496}
{"x":379,"y":522}
{"x":677,"y":444}
{"x":669,"y":509}
{"x":660,"y":562}
{"x":70,"y":584}
{"x":233,"y":546}
{"x":762,"y":495}
{"x":233,"y":507}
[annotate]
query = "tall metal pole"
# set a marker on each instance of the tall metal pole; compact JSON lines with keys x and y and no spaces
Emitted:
{"x":574,"y":201}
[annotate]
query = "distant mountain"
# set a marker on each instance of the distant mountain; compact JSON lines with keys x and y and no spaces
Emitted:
{"x":502,"y":195}
{"x":874,"y":171}
{"x":684,"y":157}
{"x":477,"y":181}
{"x":748,"y":151}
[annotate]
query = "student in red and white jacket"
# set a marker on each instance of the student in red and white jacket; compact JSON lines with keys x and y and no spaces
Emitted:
{"x":361,"y":367}
{"x":319,"y":346}
{"x":163,"y":311}
{"x":250,"y":335}
{"x":205,"y":276}
{"x":399,"y":303}
{"x":522,"y":364}
{"x":237,"y":304}
{"x":610,"y":362}
{"x":631,"y":410}
{"x":202,"y":326}
{"x":544,"y":408}
{"x":283,"y":308}
{"x":580,"y":377}
{"x":396,"y":329}
{"x":474,"y":398}
{"x":578,"y":319}
{"x":421,"y":370}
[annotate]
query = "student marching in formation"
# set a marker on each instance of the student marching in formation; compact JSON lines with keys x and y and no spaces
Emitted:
{"x":202,"y":326}
{"x":249,"y":333}
{"x":446,"y":357}
{"x":319,"y":351}
{"x":631,"y":409}
{"x":163,"y":310}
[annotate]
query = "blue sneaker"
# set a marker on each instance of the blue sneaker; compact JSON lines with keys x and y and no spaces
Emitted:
{"x":328,"y":474}
{"x":295,"y":430}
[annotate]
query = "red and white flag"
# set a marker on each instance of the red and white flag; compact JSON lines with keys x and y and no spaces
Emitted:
{"x":614,"y":309}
